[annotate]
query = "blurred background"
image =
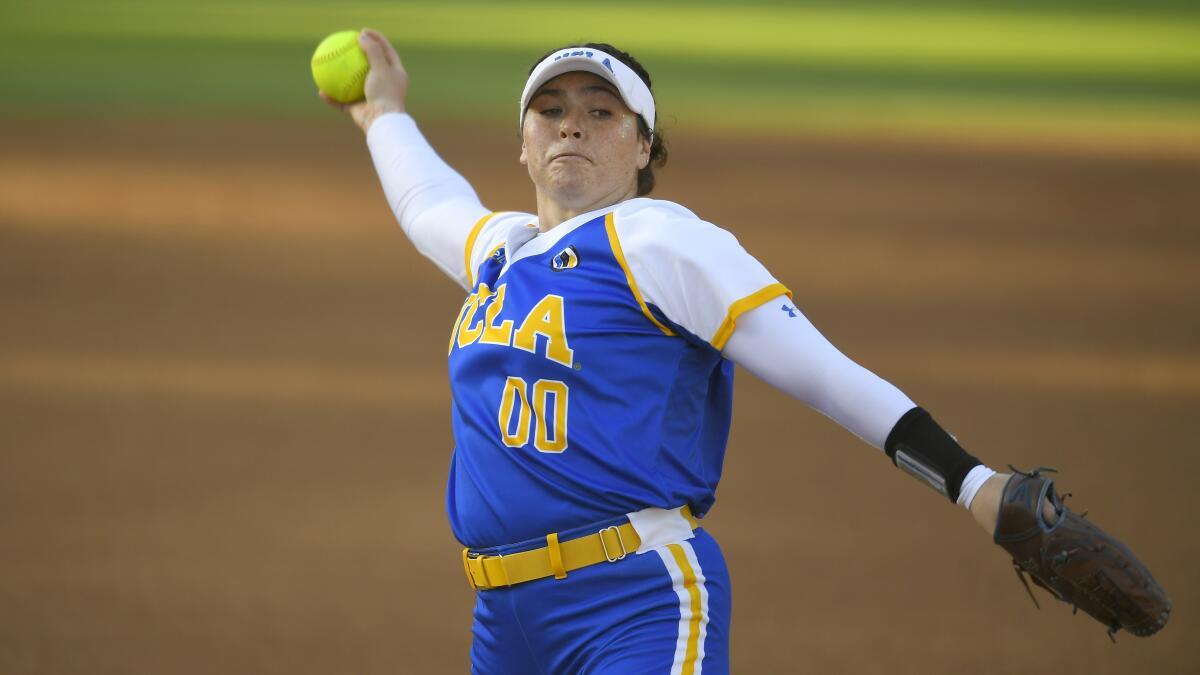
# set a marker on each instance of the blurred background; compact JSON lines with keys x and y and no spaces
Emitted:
{"x":224,"y":421}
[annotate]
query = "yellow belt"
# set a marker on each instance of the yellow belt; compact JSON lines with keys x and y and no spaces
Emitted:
{"x":556,"y":558}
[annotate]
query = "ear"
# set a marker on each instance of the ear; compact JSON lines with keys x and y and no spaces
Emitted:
{"x":524,"y":155}
{"x":643,"y":158}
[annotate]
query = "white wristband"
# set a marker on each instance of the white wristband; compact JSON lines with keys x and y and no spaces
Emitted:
{"x":974,"y":480}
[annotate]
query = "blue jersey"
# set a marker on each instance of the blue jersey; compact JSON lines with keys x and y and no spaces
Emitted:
{"x":579,"y":395}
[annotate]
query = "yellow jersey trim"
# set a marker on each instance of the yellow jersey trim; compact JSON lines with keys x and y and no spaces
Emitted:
{"x":611,"y":228}
{"x":742,"y":306}
{"x":495,"y":248}
{"x":471,"y":245}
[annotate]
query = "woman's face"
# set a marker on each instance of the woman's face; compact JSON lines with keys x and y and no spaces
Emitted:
{"x":581,"y":143}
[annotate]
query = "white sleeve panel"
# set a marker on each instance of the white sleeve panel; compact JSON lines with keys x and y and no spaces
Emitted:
{"x":436,"y":207}
{"x":696,"y":273}
{"x":785,"y":350}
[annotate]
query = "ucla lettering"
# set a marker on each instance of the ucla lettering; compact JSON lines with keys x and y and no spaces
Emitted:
{"x":497,"y":334}
{"x":466,"y":332}
{"x":477,"y":322}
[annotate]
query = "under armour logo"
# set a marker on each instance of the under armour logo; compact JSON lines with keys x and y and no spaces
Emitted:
{"x":792,"y":311}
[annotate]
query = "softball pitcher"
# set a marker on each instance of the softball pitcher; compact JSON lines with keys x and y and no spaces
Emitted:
{"x":591,"y":367}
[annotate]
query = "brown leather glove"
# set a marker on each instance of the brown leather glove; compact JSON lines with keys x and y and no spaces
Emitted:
{"x":1076,"y":561}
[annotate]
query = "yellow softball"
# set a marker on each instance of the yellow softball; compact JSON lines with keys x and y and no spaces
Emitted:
{"x":339,"y":66}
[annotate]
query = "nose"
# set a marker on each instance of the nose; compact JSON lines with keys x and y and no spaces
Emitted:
{"x":571,"y":126}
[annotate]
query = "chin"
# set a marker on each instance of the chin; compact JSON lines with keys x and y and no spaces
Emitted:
{"x":567,"y":182}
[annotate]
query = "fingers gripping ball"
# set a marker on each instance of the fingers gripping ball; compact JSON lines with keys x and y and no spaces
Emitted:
{"x":339,"y":66}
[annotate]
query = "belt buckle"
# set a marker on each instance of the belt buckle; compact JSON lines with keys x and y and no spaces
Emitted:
{"x":477,"y":559}
{"x":467,"y":557}
{"x":604,"y":546}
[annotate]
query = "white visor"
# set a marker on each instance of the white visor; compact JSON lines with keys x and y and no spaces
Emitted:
{"x":633,"y":91}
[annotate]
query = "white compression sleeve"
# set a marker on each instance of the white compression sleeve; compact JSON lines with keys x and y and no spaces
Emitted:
{"x":436,"y":207}
{"x":784,"y":349}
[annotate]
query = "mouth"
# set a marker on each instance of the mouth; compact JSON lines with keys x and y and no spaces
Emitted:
{"x":569,"y":156}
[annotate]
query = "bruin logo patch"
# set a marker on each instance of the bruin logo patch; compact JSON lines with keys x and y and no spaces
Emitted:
{"x":565,"y":260}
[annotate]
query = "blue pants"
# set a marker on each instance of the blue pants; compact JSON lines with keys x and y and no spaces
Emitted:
{"x":662,"y":611}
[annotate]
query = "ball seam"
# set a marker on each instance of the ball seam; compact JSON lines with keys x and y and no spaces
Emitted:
{"x":329,"y":56}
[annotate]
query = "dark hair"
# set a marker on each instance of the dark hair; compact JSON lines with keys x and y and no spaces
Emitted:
{"x":658,"y":147}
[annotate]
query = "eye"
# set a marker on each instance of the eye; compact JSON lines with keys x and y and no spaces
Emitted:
{"x":601,"y":113}
{"x":550,"y":112}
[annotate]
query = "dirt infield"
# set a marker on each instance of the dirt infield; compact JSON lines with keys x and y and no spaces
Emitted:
{"x":224,"y":425}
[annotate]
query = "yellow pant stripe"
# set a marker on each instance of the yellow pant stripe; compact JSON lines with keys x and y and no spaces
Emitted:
{"x":689,"y":584}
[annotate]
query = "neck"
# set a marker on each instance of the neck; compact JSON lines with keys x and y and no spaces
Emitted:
{"x":553,"y":210}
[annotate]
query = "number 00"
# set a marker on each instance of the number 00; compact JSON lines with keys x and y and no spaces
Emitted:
{"x":549,"y":402}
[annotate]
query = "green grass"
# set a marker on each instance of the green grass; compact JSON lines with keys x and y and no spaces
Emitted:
{"x":1060,"y":64}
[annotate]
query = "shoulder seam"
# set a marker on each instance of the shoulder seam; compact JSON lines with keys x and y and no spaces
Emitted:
{"x":471,"y":245}
{"x":740,"y":307}
{"x":619,"y":254}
